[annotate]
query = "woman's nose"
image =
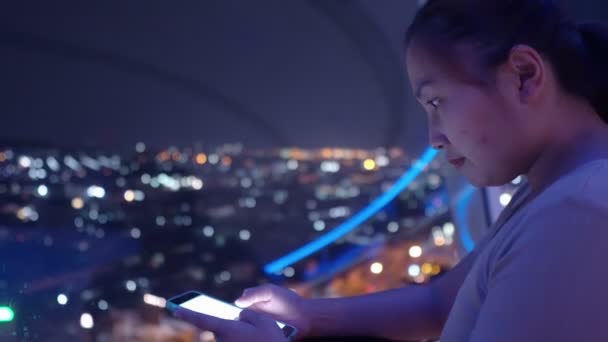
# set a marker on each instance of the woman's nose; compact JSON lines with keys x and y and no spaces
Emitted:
{"x":437,"y":139}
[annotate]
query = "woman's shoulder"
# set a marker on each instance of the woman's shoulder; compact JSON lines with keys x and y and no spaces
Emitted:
{"x":586,"y":187}
{"x":573,"y":210}
{"x":548,"y":261}
{"x":594,"y":188}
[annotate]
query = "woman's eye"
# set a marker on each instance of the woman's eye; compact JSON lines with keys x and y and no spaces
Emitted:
{"x":434,"y":103}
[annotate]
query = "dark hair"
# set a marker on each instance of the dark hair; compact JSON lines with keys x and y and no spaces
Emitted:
{"x":577,"y":53}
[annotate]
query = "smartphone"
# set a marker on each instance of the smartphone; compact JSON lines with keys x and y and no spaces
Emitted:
{"x":204,"y":304}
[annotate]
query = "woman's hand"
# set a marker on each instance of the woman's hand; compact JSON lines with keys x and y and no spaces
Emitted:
{"x":251,"y":326}
{"x":280,"y":303}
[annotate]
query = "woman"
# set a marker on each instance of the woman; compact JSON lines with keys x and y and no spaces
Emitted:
{"x":511,"y":87}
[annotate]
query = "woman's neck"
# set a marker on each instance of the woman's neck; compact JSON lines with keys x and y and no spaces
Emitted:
{"x":560,"y":158}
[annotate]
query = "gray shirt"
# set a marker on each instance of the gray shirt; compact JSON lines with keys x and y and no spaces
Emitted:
{"x":540,"y":273}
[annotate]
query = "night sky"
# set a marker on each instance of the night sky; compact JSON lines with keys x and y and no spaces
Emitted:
{"x":267,"y":73}
{"x":263,"y":72}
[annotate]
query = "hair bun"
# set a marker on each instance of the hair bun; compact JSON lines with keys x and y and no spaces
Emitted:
{"x":595,"y":39}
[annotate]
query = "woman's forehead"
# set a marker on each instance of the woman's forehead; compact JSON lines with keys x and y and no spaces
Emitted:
{"x":426,"y":65}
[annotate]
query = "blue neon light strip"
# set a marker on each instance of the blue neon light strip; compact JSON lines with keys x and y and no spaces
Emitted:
{"x":357,"y":219}
{"x":462,"y":217}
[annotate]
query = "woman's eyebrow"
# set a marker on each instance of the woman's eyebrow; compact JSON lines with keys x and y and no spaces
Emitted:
{"x":424,"y":83}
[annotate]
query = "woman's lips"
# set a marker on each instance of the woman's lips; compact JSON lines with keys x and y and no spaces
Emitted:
{"x":457,"y":162}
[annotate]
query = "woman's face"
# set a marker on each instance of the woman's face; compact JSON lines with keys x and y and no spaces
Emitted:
{"x":480,"y":123}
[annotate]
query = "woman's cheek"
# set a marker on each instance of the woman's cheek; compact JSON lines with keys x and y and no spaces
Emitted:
{"x":483,"y":140}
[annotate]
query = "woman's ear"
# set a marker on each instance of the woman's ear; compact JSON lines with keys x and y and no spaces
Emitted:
{"x":528,"y":72}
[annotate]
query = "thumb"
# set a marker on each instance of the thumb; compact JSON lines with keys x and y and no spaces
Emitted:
{"x":257,"y":319}
{"x":255,"y":295}
{"x":260,"y":307}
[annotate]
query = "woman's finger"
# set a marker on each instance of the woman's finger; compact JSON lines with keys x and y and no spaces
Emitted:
{"x":254,"y":295}
{"x":256,"y":319}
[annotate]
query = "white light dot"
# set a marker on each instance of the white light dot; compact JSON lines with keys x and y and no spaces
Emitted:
{"x":207,"y":336}
{"x":129,"y":195}
{"x":146,"y":178}
{"x":434,"y":181}
{"x":517,"y":180}
{"x":197,"y":184}
{"x":225,"y":276}
{"x":280,"y":196}
{"x":160,"y":220}
{"x":131,"y":285}
{"x":449,"y":229}
{"x":43,"y":190}
{"x":208,"y":231}
{"x":376,"y":268}
{"x":139,"y":195}
{"x":135,"y":233}
{"x":244,"y":235}
{"x":246,"y":182}
{"x":505,"y":199}
{"x":415,"y":251}
{"x":393,"y":227}
{"x":292,"y":164}
{"x":32,"y":174}
{"x":25,"y":162}
{"x":319,"y":225}
{"x":413,"y":270}
{"x":213,"y":158}
{"x":25,"y":213}
{"x":153,"y":300}
{"x":338,"y":212}
{"x":38,"y":163}
{"x":62,"y":299}
{"x":102,"y":305}
{"x":121,"y":182}
{"x":86,"y":321}
{"x":289,"y":272}
{"x":250,"y":203}
{"x":96,"y":192}
{"x":140,"y":147}
{"x":41,"y":174}
{"x":330,"y":166}
{"x":157,"y":260}
{"x":382,"y":160}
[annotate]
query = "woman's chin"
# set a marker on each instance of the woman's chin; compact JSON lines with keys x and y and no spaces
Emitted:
{"x":481,"y":181}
